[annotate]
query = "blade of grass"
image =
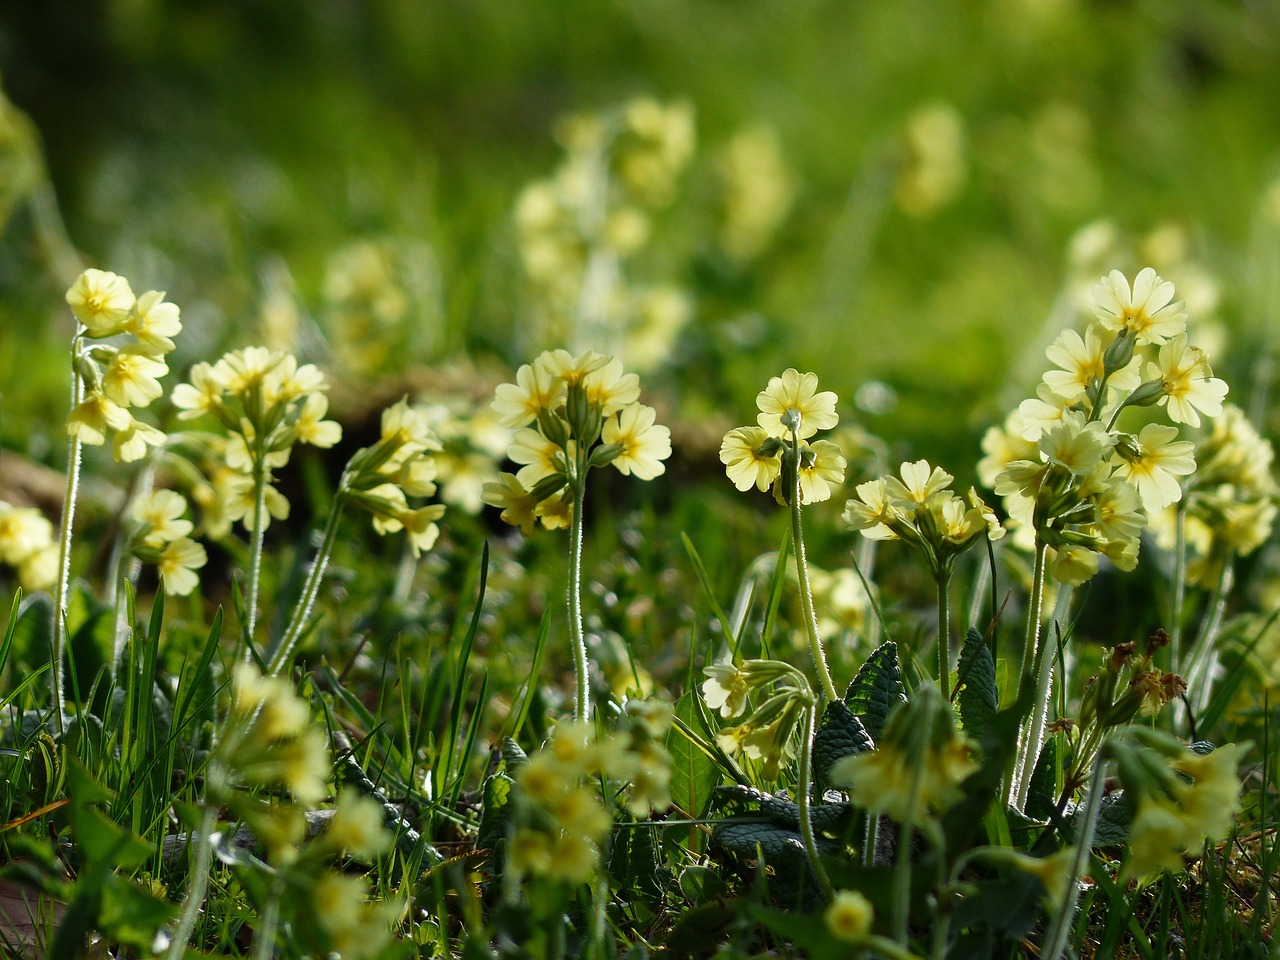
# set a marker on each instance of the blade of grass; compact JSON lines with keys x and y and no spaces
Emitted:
{"x":776,"y":586}
{"x":531,"y":685}
{"x":707,"y":589}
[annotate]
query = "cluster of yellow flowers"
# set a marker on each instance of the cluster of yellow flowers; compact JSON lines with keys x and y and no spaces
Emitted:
{"x":791,"y":411}
{"x":768,"y":733}
{"x":119,"y":377}
{"x":1179,"y":799}
{"x":577,"y":229}
{"x":26,"y":543}
{"x":1067,"y":475}
{"x":561,"y":823}
{"x":918,"y":765}
{"x":266,"y":402}
{"x":570,"y":414}
{"x":162,"y":537}
{"x":921,"y":509}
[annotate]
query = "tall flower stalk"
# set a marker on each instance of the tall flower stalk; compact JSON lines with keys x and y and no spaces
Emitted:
{"x":570,"y":414}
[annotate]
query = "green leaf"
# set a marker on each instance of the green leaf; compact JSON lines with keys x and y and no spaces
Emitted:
{"x":1043,"y":789}
{"x":840,"y":735}
{"x":132,"y":915}
{"x":693,"y":772}
{"x":1114,"y":818}
{"x":877,"y":689}
{"x":496,"y":813}
{"x":979,"y":697}
{"x":634,"y":863}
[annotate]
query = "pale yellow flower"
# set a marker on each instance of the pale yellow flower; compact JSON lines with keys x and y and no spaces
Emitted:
{"x":160,"y":514}
{"x":572,"y":859}
{"x":101,"y":301}
{"x":420,"y":527}
{"x":1003,"y":445}
{"x":1160,"y":459}
{"x":202,"y":395}
{"x":611,"y":389}
{"x":540,"y":457}
{"x":154,"y":322}
{"x":1053,"y":872}
{"x":178,"y":563}
{"x":644,"y":444}
{"x":39,"y":570}
{"x":725,"y":689}
{"x":23,"y":531}
{"x":919,"y":483}
{"x":287,"y":381}
{"x":94,"y":416}
{"x":1081,"y":363}
{"x":568,"y":368}
{"x":1040,"y":412}
{"x":132,"y":442}
{"x":1118,"y":511}
{"x":244,"y":370}
{"x":791,"y":402}
{"x":1212,"y":799}
{"x":311,"y":427}
{"x":132,"y":379}
{"x":849,"y":916}
{"x":873,"y":512}
{"x":1190,"y":388}
{"x":1157,"y":838}
{"x":744,"y":463}
{"x":1072,"y":564}
{"x":357,"y":826}
{"x":517,"y":504}
{"x":1074,"y":444}
{"x":555,"y":513}
{"x":407,"y":429}
{"x":818,"y":475}
{"x":1147,"y":310}
{"x":536,"y":390}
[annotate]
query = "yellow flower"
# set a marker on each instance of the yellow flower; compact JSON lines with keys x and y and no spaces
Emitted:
{"x":154,"y":322}
{"x":420,"y":526}
{"x":1072,"y":564}
{"x":1074,"y":444}
{"x":1117,"y":511}
{"x":287,"y":381}
{"x":1003,"y":445}
{"x":1053,"y":872}
{"x":849,"y":916}
{"x":611,"y":389}
{"x":131,"y":443}
{"x":178,"y":562}
{"x":1157,"y":838}
{"x":311,"y":427}
{"x":1212,"y":799}
{"x":791,"y":403}
{"x":94,"y":415}
{"x":555,"y":513}
{"x":1190,"y":388}
{"x":821,"y":467}
{"x":572,"y":859}
{"x":568,"y":368}
{"x":244,"y":370}
{"x":1158,"y":459}
{"x":23,"y":531}
{"x":919,"y":483}
{"x":744,"y":463}
{"x":873,"y":513}
{"x":1040,"y":412}
{"x":529,"y":852}
{"x":517,"y":503}
{"x":540,"y":457}
{"x":160,"y":515}
{"x":1081,"y":363}
{"x":536,"y":390}
{"x":725,"y":689}
{"x":101,"y":301}
{"x":644,"y":444}
{"x":202,"y":395}
{"x":407,"y":429}
{"x":39,"y":570}
{"x":1147,"y":310}
{"x":357,"y":825}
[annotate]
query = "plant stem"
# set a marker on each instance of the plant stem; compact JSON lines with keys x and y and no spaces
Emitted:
{"x":310,"y":590}
{"x":804,"y":789}
{"x":258,"y":534}
{"x":265,"y":939}
{"x":806,"y":588}
{"x":62,"y":584}
{"x":582,"y":696}
{"x":1055,"y":939}
{"x":1035,"y":608}
{"x":1033,"y":733}
{"x":1204,"y":656}
{"x":943,"y":581}
{"x":1179,"y":586}
{"x":202,"y":857}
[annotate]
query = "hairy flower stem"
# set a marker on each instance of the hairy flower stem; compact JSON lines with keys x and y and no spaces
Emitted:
{"x":202,"y":861}
{"x":806,"y":588}
{"x":943,"y":581}
{"x":803,"y":802}
{"x":62,"y":584}
{"x":1179,"y":586}
{"x":582,"y":695}
{"x":1035,"y":610}
{"x":259,"y":535}
{"x":1055,"y":939}
{"x":310,"y":590}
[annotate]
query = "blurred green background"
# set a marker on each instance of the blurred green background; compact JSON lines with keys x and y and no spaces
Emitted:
{"x":227,"y":152}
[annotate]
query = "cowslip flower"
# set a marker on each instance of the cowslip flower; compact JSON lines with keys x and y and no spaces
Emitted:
{"x":849,"y":916}
{"x":1146,"y":310}
{"x":1081,"y":364}
{"x":536,"y":390}
{"x":154,"y":322}
{"x":161,"y":517}
{"x":94,"y":416}
{"x":1074,"y":444}
{"x":821,"y":468}
{"x":791,"y":404}
{"x":132,"y":378}
{"x":1152,"y":461}
{"x":725,"y":689}
{"x":645,"y":444}
{"x":177,"y":565}
{"x":750,"y":458}
{"x":131,"y":442}
{"x":101,"y":300}
{"x":1189,"y":387}
{"x":23,"y":531}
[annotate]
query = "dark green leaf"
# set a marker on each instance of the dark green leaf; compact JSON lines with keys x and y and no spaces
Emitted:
{"x":979,"y":697}
{"x":633,"y":862}
{"x":1114,"y":818}
{"x":840,"y":735}
{"x":693,"y":772}
{"x":496,"y":813}
{"x":877,"y":689}
{"x":1043,"y":789}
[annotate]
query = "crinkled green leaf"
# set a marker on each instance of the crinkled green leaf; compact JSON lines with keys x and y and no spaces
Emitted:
{"x":877,"y":689}
{"x":1114,"y":818}
{"x":496,"y":812}
{"x":979,"y":697}
{"x":840,"y":735}
{"x":634,"y":863}
{"x":1042,"y":791}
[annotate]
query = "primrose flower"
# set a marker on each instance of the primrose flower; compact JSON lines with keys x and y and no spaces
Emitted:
{"x":540,"y":456}
{"x":725,"y":689}
{"x":1152,"y":461}
{"x":644,"y":444}
{"x":1189,"y":386}
{"x":177,"y":565}
{"x":849,"y":916}
{"x":202,"y":395}
{"x":570,"y":369}
{"x":873,"y":512}
{"x":750,"y":458}
{"x":1082,"y":364}
{"x":1074,"y":444}
{"x":1147,"y":310}
{"x":160,"y":514}
{"x":23,"y":532}
{"x":357,"y":826}
{"x":312,"y":428}
{"x":132,"y":378}
{"x":611,"y":389}
{"x":154,"y":322}
{"x":919,"y":483}
{"x":821,"y":467}
{"x":131,"y":443}
{"x":101,"y":301}
{"x":94,"y":416}
{"x":536,"y":390}
{"x":516,"y":503}
{"x":791,"y":404}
